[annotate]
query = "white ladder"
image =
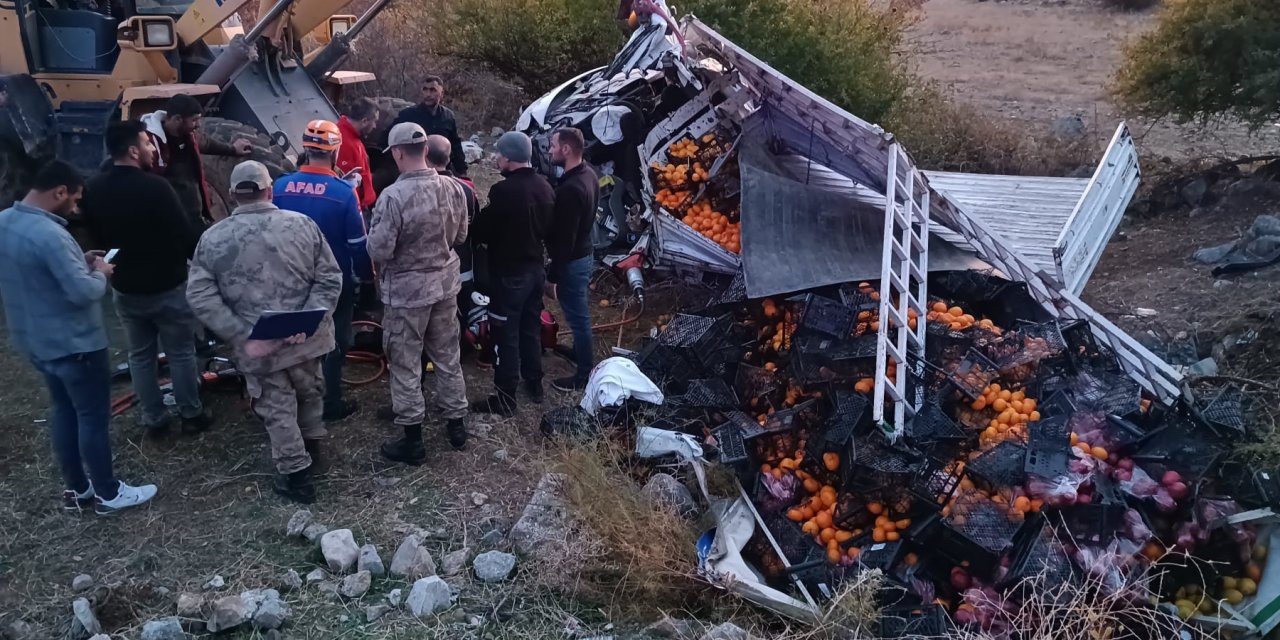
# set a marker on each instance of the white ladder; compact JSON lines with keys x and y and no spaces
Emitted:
{"x":904,"y":270}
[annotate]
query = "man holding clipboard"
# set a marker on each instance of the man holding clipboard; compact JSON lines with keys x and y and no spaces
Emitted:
{"x":266,"y":281}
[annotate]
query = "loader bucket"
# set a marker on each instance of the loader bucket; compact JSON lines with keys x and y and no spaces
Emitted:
{"x":26,"y":116}
{"x":279,"y":100}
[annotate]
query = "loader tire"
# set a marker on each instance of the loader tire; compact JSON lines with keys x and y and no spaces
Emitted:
{"x":217,"y":169}
{"x":383,"y":167}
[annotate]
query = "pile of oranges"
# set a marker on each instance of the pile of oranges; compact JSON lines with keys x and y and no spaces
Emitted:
{"x":685,"y":148}
{"x":671,"y":175}
{"x":957,"y":319}
{"x":1014,"y":410}
{"x":971,"y":501}
{"x":716,"y":226}
{"x":1087,"y":449}
{"x":672,"y":200}
{"x":698,"y":173}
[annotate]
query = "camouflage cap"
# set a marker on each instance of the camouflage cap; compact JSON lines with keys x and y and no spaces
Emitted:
{"x":250,"y":176}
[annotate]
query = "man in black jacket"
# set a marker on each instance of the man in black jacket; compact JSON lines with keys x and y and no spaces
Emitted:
{"x":437,"y":119}
{"x":569,"y":244}
{"x":514,"y":226}
{"x":140,"y":214}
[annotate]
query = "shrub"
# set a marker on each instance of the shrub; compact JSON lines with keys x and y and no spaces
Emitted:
{"x":541,"y":43}
{"x":1206,"y":59}
{"x":844,"y":51}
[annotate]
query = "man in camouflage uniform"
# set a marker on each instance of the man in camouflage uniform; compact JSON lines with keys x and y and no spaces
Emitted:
{"x":263,"y":258}
{"x":416,"y":223}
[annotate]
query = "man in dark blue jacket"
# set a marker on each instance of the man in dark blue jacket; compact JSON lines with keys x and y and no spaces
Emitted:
{"x":318,"y":192}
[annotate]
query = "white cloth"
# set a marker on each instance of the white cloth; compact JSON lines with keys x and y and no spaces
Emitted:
{"x":613,"y":381}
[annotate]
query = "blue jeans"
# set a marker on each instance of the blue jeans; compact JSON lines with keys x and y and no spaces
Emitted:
{"x":571,"y":289}
{"x":155,"y":321}
{"x":80,"y":412}
{"x":343,"y":314}
{"x":516,"y":317}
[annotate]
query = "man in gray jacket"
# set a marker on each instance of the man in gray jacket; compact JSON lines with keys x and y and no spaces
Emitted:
{"x":263,"y":258}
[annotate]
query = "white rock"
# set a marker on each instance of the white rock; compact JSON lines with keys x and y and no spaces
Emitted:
{"x":472,"y":151}
{"x":669,"y":627}
{"x":395,"y":597}
{"x":340,"y":550}
{"x":215,"y":583}
{"x":344,"y":618}
{"x":266,"y":609}
{"x":227,"y":613}
{"x":316,"y":577}
{"x":376,"y":611}
{"x":1146,"y":313}
{"x":474,"y":621}
{"x":82,"y":582}
{"x":355,"y":585}
{"x":190,"y":605}
{"x":314,"y":532}
{"x":545,"y":519}
{"x":455,"y":561}
{"x":85,"y":622}
{"x":429,"y":596}
{"x":726,"y":631}
{"x":412,"y":560}
{"x":500,"y":455}
{"x":290,"y":581}
{"x":101,"y":636}
{"x":370,"y":561}
{"x":298,"y":523}
{"x":664,"y":489}
{"x":478,"y":499}
{"x":493,"y":566}
{"x":163,"y":629}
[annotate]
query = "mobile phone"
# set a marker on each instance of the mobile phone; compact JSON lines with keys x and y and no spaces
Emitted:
{"x":111,"y":255}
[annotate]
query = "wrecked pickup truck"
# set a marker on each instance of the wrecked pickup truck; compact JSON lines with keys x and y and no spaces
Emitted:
{"x":897,"y":367}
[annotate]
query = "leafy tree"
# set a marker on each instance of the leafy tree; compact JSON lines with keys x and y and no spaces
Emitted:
{"x":1207,"y":59}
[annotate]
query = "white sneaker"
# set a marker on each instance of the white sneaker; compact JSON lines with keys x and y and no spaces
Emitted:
{"x":126,"y":496}
{"x":72,"y":501}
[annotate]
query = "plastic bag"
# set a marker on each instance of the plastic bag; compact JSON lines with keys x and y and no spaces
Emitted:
{"x":1140,"y":485}
{"x":1059,"y":491}
{"x":613,"y":381}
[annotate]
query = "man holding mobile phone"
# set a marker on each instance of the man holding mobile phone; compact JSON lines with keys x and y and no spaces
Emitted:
{"x":140,"y":215}
{"x":263,"y":258}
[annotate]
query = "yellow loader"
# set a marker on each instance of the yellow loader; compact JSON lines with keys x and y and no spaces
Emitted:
{"x":69,"y":67}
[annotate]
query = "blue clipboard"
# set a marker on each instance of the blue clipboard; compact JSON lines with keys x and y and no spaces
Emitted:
{"x":278,"y":325}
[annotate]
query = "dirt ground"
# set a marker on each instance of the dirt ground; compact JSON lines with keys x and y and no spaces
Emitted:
{"x":1038,"y":61}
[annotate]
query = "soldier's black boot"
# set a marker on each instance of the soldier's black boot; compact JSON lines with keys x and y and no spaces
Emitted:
{"x":319,"y":466}
{"x":457,"y":433}
{"x":297,"y":486}
{"x":408,"y":449}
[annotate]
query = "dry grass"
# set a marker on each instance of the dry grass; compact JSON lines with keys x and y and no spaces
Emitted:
{"x":643,"y":554}
{"x":947,"y":135}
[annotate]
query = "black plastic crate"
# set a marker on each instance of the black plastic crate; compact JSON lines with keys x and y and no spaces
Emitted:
{"x":748,"y":426}
{"x":974,"y":374}
{"x":795,"y":545}
{"x":710,"y":393}
{"x":1096,"y":522}
{"x":1039,"y":558}
{"x":1057,"y":403}
{"x":854,"y":298}
{"x":734,"y":292}
{"x":1225,"y":412}
{"x":877,"y":463}
{"x":1029,"y":343}
{"x":1182,"y":443}
{"x":817,"y":368}
{"x":803,"y":415}
{"x":926,"y":621}
{"x":686,"y":330}
{"x":884,"y":556}
{"x":819,"y":577}
{"x":704,"y":341}
{"x":1252,"y":488}
{"x":757,"y":387}
{"x":932,"y":424}
{"x":845,"y":348}
{"x":1003,"y":466}
{"x":934,"y":484}
{"x":733,"y":448}
{"x":1084,"y":350}
{"x":1108,"y":392}
{"x":849,"y":408}
{"x":818,"y":314}
{"x":1048,"y":447}
{"x":571,"y":422}
{"x":975,"y":539}
{"x":942,"y":345}
{"x":665,"y":366}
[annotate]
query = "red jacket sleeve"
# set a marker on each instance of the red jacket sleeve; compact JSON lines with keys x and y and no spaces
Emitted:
{"x":353,"y":155}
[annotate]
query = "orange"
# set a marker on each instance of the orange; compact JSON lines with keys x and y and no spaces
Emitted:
{"x":1034,"y":416}
{"x":843,"y":536}
{"x":940,"y":307}
{"x":1005,"y":394}
{"x":902,"y":524}
{"x":828,"y":499}
{"x":956,"y":311}
{"x":979,"y":404}
{"x":831,"y":461}
{"x":1022,"y":503}
{"x":854,"y":552}
{"x":1075,"y":438}
{"x":1000,"y":404}
{"x":1099,"y":453}
{"x":1253,"y":572}
{"x":827,"y":535}
{"x":811,"y":528}
{"x":875,"y":508}
{"x":795,"y":515}
{"x":811,"y":485}
{"x":892,"y":536}
{"x":878,"y":535}
{"x":834,"y":556}
{"x":824,"y":521}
